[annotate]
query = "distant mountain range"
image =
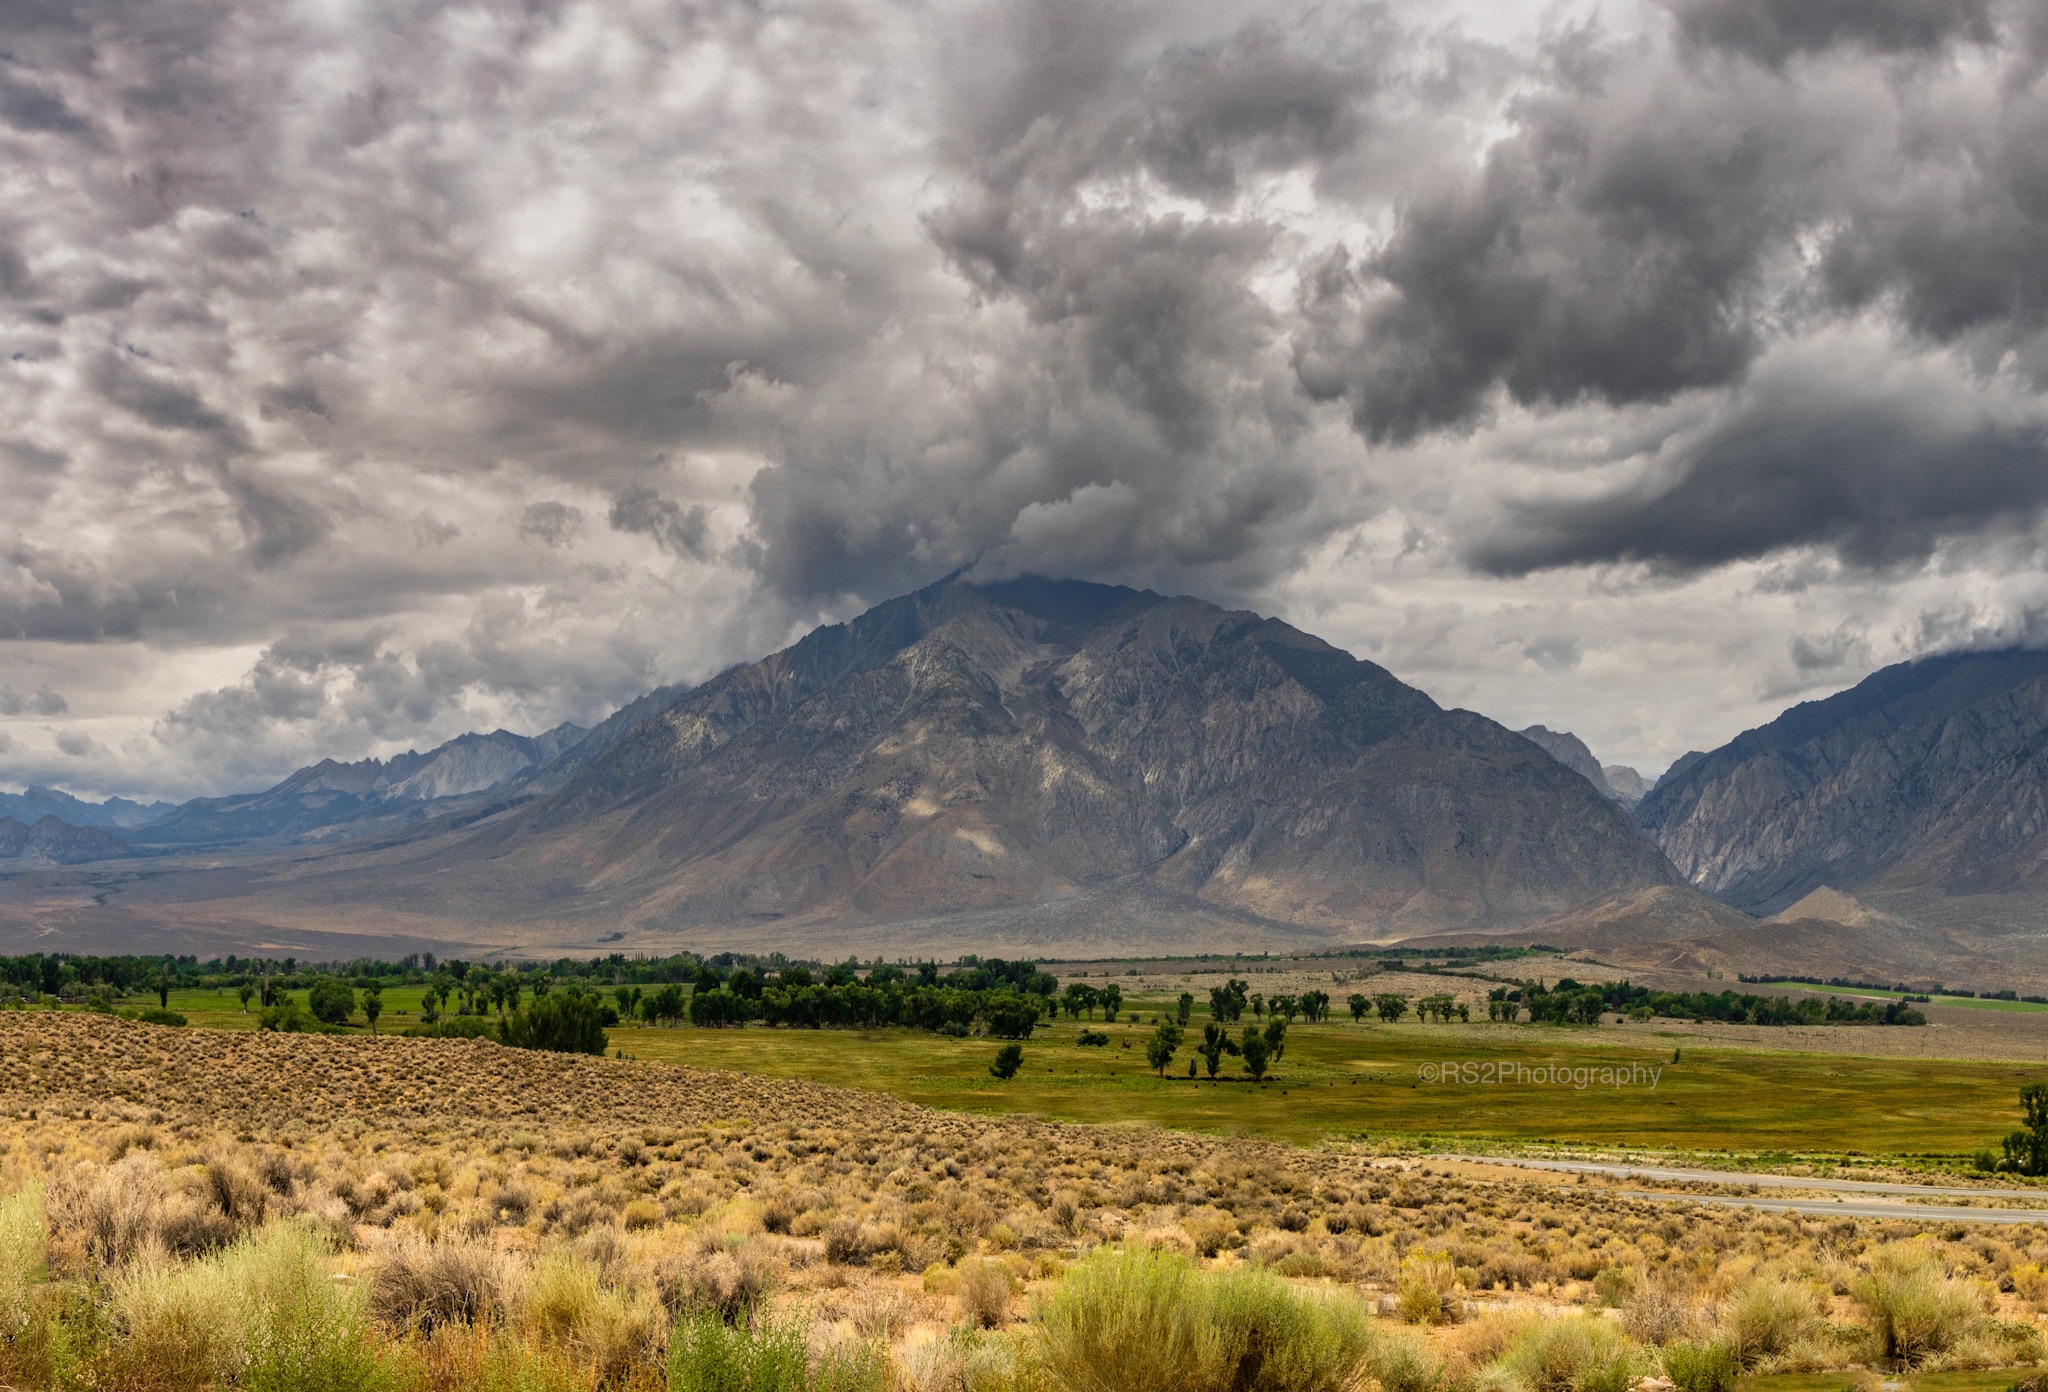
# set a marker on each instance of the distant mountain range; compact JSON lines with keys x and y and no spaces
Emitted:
{"x":1619,"y":782}
{"x":1927,"y":777}
{"x":1017,"y":764}
{"x":1042,"y":766}
{"x":330,"y":798}
{"x":34,"y":804}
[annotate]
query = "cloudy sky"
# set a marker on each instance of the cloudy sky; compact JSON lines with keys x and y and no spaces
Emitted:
{"x":379,"y":369}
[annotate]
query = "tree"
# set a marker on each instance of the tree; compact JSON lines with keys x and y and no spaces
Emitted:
{"x":1315,"y":1006}
{"x":562,"y":1024}
{"x":1009,"y":1059}
{"x":1284,"y":1007}
{"x":1184,"y":1008}
{"x":1276,"y":1038}
{"x":163,"y":990}
{"x":1080,"y":999}
{"x":1227,"y":1002}
{"x":1216,"y":1042}
{"x":1359,"y":1005}
{"x":373,"y":1005}
{"x":1439,"y":1006}
{"x":244,"y":992}
{"x":1011,"y":1016}
{"x":331,"y":1000}
{"x":2026,"y":1150}
{"x":1258,"y":1006}
{"x":1160,"y":1048}
{"x":1255,"y":1052}
{"x":1112,"y":1000}
{"x":1390,"y":1006}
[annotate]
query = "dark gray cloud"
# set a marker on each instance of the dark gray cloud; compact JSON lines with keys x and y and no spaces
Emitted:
{"x":353,"y":331}
{"x":1881,"y":476}
{"x":1773,"y":31}
{"x":675,"y":529}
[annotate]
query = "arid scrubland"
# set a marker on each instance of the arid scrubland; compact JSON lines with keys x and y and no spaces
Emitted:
{"x":191,"y":1209}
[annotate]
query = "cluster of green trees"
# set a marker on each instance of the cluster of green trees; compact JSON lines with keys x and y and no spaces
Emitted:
{"x":1570,"y":1002}
{"x":1260,"y":1048}
{"x":1004,"y":999}
{"x":1391,"y":1007}
{"x":1229,"y":1002}
{"x":2026,"y":1150}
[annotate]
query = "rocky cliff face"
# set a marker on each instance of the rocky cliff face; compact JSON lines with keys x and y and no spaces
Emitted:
{"x":1618,"y":781}
{"x":1928,"y":776}
{"x":987,"y":749}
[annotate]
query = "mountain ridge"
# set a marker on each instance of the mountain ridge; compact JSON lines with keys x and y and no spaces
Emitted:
{"x":1051,"y":757}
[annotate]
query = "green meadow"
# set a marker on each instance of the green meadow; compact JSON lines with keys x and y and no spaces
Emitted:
{"x":1378,"y":1082}
{"x":1874,"y":993}
{"x":1374,"y":1082}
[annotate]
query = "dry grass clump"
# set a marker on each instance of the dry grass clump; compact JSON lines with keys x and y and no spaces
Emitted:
{"x":425,"y":1286}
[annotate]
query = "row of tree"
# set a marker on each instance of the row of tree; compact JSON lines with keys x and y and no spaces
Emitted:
{"x":1571,"y":1002}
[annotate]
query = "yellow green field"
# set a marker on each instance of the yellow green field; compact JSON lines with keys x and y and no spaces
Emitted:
{"x":1371,"y":1082}
{"x":1875,"y":993}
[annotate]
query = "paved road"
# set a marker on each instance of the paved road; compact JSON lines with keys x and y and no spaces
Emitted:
{"x":1761,"y":1181}
{"x":1843,"y":1208}
{"x":1837,"y":1207}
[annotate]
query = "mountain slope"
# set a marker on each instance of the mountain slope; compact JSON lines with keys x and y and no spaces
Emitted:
{"x":1042,"y":752}
{"x":330,"y":795}
{"x":33,"y":804}
{"x":1927,"y":778}
{"x":51,"y":842}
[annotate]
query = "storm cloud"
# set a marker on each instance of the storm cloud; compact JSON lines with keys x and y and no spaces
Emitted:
{"x":375,"y":372}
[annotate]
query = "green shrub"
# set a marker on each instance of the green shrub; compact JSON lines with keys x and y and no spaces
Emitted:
{"x":163,"y":1017}
{"x":1400,"y":1361}
{"x":331,"y":1000}
{"x":1766,"y":1316}
{"x":1009,"y":1059}
{"x":22,"y":1237}
{"x":1580,"y":1354}
{"x":705,"y":1354}
{"x":1146,"y":1320}
{"x":301,"y":1330}
{"x":1128,"y":1320}
{"x":288,"y":1017}
{"x":455,"y":1027}
{"x":1275,"y":1339}
{"x":1710,"y":1367}
{"x":1915,"y":1309}
{"x":559,"y":1023}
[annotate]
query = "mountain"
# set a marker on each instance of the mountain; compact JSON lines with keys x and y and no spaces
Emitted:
{"x":331,"y":798}
{"x":1621,"y":783}
{"x":52,"y":842}
{"x":1923,"y":790}
{"x":36,"y":803}
{"x":1014,"y":765}
{"x":1627,"y":786}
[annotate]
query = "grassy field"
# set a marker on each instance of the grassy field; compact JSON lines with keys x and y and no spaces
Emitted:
{"x":1346,"y":1080}
{"x":1371,"y":1082}
{"x":1875,"y":993}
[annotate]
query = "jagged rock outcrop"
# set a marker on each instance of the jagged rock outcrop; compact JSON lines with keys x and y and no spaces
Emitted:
{"x":1618,"y":781}
{"x":1928,"y":778}
{"x":1628,"y":786}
